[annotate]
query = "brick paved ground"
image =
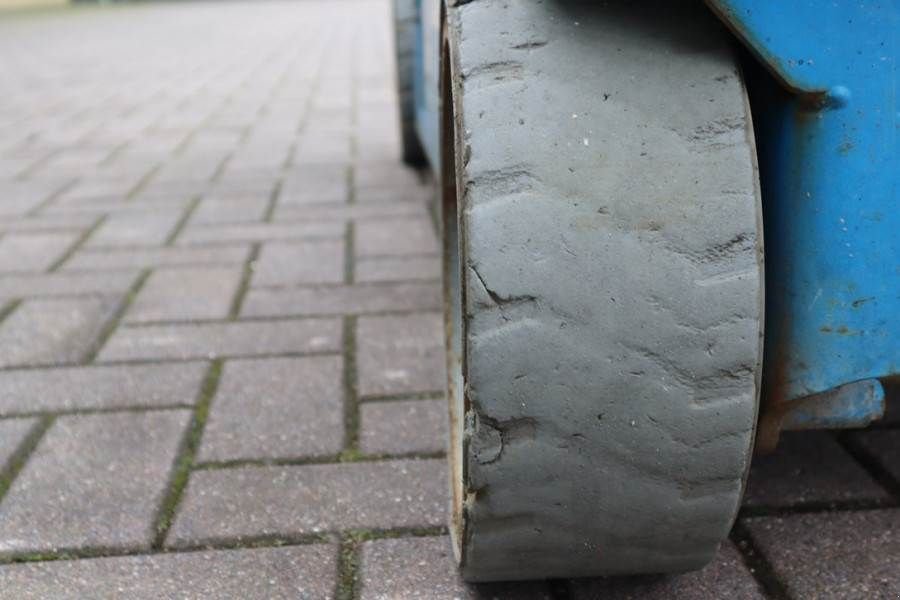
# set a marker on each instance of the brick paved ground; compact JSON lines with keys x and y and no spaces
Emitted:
{"x":220,"y":361}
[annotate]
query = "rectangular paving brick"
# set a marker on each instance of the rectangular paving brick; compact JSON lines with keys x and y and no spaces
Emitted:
{"x":186,"y":294}
{"x":211,"y":340}
{"x":34,"y":251}
{"x":48,"y":223}
{"x":852,"y":554}
{"x":348,"y":212}
{"x":259,"y":232}
{"x":402,"y":354}
{"x":120,"y":386}
{"x":291,"y":263}
{"x":315,"y":185}
{"x":12,"y":434}
{"x":403,"y":426}
{"x":276,"y":407}
{"x":218,"y":210}
{"x":725,"y":577}
{"x":355,"y":299}
{"x":424,"y":567}
{"x":66,"y":284}
{"x":808,"y":466}
{"x":53,"y":331}
{"x":93,"y":480}
{"x":88,"y":260}
{"x":399,"y":268}
{"x":135,"y":230}
{"x":305,"y":572}
{"x":398,"y":237}
{"x":884,"y":446}
{"x":257,"y":501}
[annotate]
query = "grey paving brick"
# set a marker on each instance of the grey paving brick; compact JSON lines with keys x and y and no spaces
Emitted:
{"x":884,"y":446}
{"x":255,"y":501}
{"x":385,"y":174}
{"x":403,"y":426}
{"x":400,"y":354}
{"x":211,"y":340}
{"x":289,"y":263}
{"x":186,"y":294}
{"x":20,"y":197}
{"x":34,"y":251}
{"x":135,"y":230}
{"x":236,"y":209}
{"x":53,"y":331}
{"x":398,"y":237}
{"x":349,"y":212}
{"x":305,"y":572}
{"x":326,"y":300}
{"x":315,"y":185}
{"x":66,"y":284}
{"x":48,"y":223}
{"x":423,"y":568}
{"x":259,"y":232}
{"x":853,"y":554}
{"x":87,"y":260}
{"x":93,"y":480}
{"x":808,"y":466}
{"x":120,"y":386}
{"x":12,"y":434}
{"x":400,"y":268}
{"x":276,"y":407}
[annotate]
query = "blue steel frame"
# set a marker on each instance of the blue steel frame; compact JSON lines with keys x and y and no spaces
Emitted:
{"x":827,"y":128}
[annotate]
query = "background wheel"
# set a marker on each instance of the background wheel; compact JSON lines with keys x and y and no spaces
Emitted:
{"x":603,"y":284}
{"x":405,"y":18}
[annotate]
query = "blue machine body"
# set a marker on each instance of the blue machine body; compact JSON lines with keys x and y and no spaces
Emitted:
{"x":826,"y":107}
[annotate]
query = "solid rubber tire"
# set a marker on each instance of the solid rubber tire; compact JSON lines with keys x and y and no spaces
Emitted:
{"x":604,"y":286}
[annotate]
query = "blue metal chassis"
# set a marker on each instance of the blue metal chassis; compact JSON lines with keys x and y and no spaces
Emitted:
{"x":827,"y":119}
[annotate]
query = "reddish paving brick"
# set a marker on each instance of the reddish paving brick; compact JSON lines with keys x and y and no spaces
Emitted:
{"x":80,"y":388}
{"x":354,"y":299}
{"x":422,"y":568}
{"x":256,"y":501}
{"x":853,"y":554}
{"x":221,"y":340}
{"x":808,"y":466}
{"x":276,"y":407}
{"x":186,"y":294}
{"x":400,"y":354}
{"x":52,"y":332}
{"x":87,"y":260}
{"x":94,"y":480}
{"x":403,"y":426}
{"x":292,"y":263}
{"x":34,"y":251}
{"x":398,"y":237}
{"x":271,"y":573}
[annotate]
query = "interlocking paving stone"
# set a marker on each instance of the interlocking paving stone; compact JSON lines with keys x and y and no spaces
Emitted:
{"x":385,"y":174}
{"x":80,"y":388}
{"x":157,"y":257}
{"x":48,"y":223}
{"x":400,"y":354}
{"x":288,"y":263}
{"x":12,"y":433}
{"x":401,"y":426}
{"x":213,"y":211}
{"x":20,"y":197}
{"x":884,"y":446}
{"x":361,"y":298}
{"x":348,"y":212}
{"x":833,"y":554}
{"x":405,"y":268}
{"x":305,"y":572}
{"x":423,"y":568}
{"x":66,"y":284}
{"x":725,"y":577}
{"x":212,"y":340}
{"x":398,"y":237}
{"x":259,"y":232}
{"x":135,"y":230}
{"x":808,"y":466}
{"x":53,"y":331}
{"x":93,"y":480}
{"x":315,"y":185}
{"x":277,"y":407}
{"x":34,"y":251}
{"x":257,"y":501}
{"x":186,"y":294}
